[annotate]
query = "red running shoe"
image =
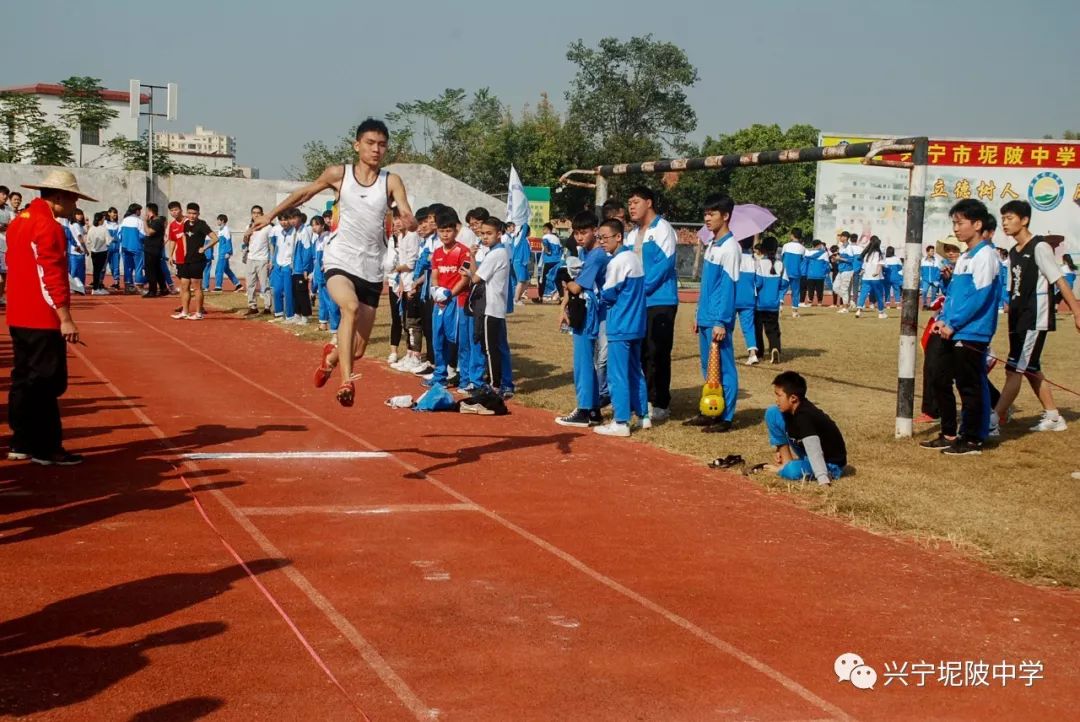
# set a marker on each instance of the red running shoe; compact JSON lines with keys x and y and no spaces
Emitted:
{"x":322,"y":374}
{"x":925,"y":419}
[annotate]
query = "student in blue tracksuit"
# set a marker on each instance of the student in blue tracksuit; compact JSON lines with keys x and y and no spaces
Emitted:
{"x":303,"y":263}
{"x":815,"y":269}
{"x":929,"y":277}
{"x":112,"y":224}
{"x":520,"y":255}
{"x":586,"y":286}
{"x":654,"y":242}
{"x":808,"y":442}
{"x":772,"y":284}
{"x":283,"y":246}
{"x":329,"y":313}
{"x":429,"y":239}
{"x":894,"y":277}
{"x":845,"y":271}
{"x":1003,"y":304}
{"x":623,"y":299}
{"x":873,"y":275}
{"x":224,"y":253}
{"x":715,"y":322}
{"x":208,"y":268}
{"x":967,"y":324}
{"x":552,"y":261}
{"x":792,"y":256}
{"x":746,"y":299}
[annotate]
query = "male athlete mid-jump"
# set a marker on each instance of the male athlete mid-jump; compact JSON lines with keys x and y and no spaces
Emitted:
{"x":353,"y":255}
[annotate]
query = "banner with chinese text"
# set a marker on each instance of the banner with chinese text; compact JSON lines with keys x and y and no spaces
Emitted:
{"x":868,"y":199}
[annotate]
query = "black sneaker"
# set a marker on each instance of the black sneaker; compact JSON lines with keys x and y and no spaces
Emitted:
{"x":700,"y":420}
{"x":938,"y":443}
{"x":60,"y":458}
{"x":579,"y":419}
{"x":595,"y":418}
{"x":964,"y":447}
{"x":774,"y":356}
{"x":720,"y":427}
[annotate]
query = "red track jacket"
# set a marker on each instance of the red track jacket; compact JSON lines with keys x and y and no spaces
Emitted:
{"x":37,"y":282}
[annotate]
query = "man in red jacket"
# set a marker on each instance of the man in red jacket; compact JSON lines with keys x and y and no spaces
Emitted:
{"x":39,"y":320}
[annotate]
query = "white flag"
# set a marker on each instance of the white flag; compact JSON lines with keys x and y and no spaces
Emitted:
{"x":517,"y":205}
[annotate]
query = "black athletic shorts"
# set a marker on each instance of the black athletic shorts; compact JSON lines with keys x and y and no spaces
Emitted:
{"x":191,"y":271}
{"x":1025,"y":350}
{"x":367,"y":293}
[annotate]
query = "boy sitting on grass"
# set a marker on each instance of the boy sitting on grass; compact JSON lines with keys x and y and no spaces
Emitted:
{"x":808,"y":443}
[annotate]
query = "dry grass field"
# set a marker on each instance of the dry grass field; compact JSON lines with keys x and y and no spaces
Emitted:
{"x":1016,"y":506}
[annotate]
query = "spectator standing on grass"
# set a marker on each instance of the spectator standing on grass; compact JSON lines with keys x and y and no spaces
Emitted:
{"x":792,"y":255}
{"x":845,"y":272}
{"x":771,"y":287}
{"x":1032,"y":314}
{"x":256,"y":252}
{"x":551,"y":260}
{"x":893,"y":278}
{"x":624,"y":302}
{"x":97,"y":242}
{"x":654,"y":242}
{"x":77,"y":248}
{"x":39,"y":321}
{"x":967,"y":324}
{"x":112,"y":224}
{"x":585,"y":289}
{"x":873,"y":284}
{"x":934,"y":356}
{"x":814,"y":272}
{"x":302,"y":266}
{"x":746,"y":299}
{"x":715,"y":321}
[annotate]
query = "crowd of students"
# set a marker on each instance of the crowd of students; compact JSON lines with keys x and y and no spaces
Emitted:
{"x":451,"y":286}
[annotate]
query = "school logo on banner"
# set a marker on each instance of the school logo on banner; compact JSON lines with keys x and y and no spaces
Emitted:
{"x":1046,"y":191}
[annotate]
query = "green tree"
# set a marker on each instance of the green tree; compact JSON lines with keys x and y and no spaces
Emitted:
{"x":83,"y":108}
{"x":48,"y":145}
{"x":629,"y":98}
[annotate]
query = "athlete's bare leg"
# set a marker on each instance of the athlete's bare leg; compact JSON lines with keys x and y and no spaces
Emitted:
{"x":185,"y":294}
{"x":198,"y":293}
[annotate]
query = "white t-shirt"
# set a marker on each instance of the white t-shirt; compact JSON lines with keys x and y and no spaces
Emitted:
{"x":76,"y":233}
{"x":871,"y":269}
{"x":466,"y":236}
{"x":285,"y":245}
{"x":259,"y":245}
{"x":98,"y":239}
{"x":495,"y":272}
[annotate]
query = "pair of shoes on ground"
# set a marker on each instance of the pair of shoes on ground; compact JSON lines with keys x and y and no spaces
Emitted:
{"x":581,"y":418}
{"x":953,"y":447}
{"x":727,"y":462}
{"x":61,"y":457}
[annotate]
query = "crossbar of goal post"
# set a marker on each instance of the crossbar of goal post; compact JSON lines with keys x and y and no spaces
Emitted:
{"x":915,"y":148}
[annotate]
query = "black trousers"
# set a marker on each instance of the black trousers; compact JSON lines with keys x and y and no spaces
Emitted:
{"x":38,"y":379}
{"x":494,"y":334}
{"x":414,"y":322}
{"x":767,"y":325}
{"x":101,"y":261}
{"x":656,"y":353}
{"x":155,"y":284}
{"x":812,"y":287}
{"x":933,"y":368}
{"x":559,"y":281}
{"x":301,"y":295}
{"x":964,"y":366}
{"x":395,"y":318}
{"x":429,"y":309}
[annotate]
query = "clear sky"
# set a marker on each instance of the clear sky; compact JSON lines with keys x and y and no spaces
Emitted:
{"x":276,"y":74}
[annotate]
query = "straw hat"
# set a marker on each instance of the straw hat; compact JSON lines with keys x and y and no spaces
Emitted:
{"x":60,"y":180}
{"x":948,"y":242}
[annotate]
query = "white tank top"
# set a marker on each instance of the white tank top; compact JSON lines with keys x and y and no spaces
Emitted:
{"x":359,"y":245}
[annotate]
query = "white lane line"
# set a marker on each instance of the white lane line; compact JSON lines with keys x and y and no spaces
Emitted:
{"x":353,"y":510}
{"x":368,"y":653}
{"x":289,"y":455}
{"x":723,"y":646}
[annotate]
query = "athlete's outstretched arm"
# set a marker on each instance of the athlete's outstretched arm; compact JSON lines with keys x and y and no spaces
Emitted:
{"x":397,"y":192}
{"x":329,"y":180}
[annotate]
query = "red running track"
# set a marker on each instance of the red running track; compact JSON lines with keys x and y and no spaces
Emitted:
{"x":483,"y":568}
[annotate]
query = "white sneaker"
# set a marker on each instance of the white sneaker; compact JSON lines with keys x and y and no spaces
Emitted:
{"x":883,"y":315}
{"x":646,"y":423}
{"x":752,"y":359}
{"x":858,"y":313}
{"x":179,"y":315}
{"x":1057,"y":423}
{"x":794,"y":314}
{"x":658,"y":414}
{"x":613,"y":428}
{"x":302,"y":320}
{"x":392,"y":358}
{"x":423,"y":368}
{"x":842,"y":309}
{"x":278,"y":319}
{"x":428,"y":377}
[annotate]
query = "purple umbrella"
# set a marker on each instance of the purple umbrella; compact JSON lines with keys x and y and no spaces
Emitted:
{"x":746,"y":221}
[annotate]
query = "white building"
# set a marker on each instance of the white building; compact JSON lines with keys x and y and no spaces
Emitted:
{"x":87,"y":145}
{"x":202,"y":141}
